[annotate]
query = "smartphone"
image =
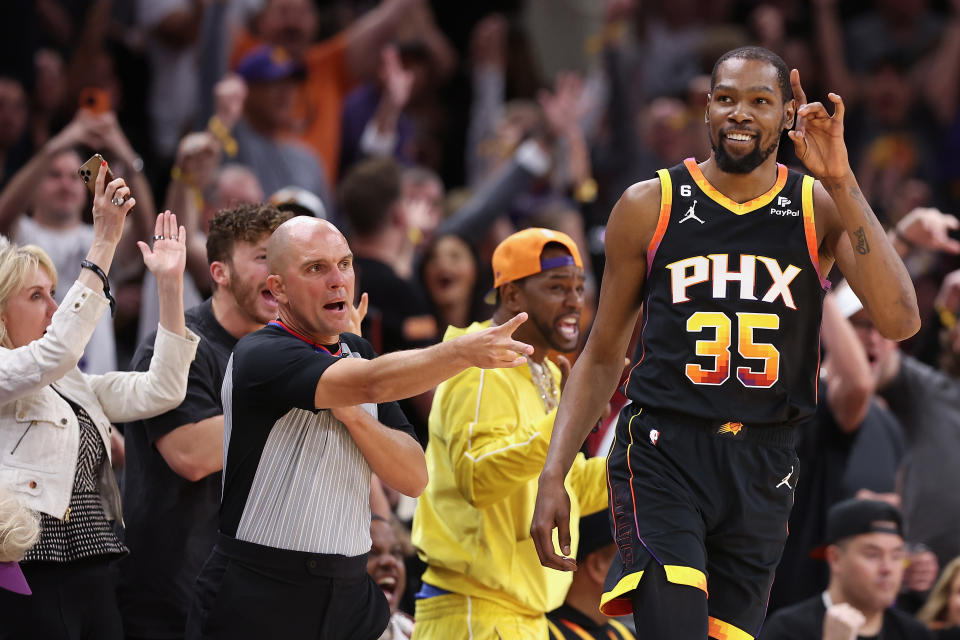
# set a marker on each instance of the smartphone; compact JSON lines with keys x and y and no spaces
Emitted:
{"x":90,"y":169}
{"x":95,"y":100}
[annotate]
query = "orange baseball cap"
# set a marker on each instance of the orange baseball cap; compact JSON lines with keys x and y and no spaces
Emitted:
{"x":518,"y":256}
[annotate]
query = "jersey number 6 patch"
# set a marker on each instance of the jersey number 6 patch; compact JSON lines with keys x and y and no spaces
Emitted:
{"x":719,"y":349}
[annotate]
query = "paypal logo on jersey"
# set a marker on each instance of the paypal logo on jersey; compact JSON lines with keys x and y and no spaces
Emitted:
{"x":787,"y":213}
{"x":783,"y":201}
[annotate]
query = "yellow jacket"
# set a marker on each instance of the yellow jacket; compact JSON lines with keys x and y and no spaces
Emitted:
{"x":489,"y":434}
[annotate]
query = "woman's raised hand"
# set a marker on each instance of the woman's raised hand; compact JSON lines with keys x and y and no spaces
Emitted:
{"x":111,"y":203}
{"x":168,"y":256}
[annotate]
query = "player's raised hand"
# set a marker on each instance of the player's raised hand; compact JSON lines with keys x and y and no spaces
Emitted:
{"x":495,"y":348}
{"x":818,"y":136}
{"x":552,"y":511}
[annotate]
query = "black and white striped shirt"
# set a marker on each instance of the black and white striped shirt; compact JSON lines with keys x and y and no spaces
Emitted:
{"x":293,"y":477}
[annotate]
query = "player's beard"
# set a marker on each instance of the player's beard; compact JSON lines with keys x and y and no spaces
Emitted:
{"x":743,"y":164}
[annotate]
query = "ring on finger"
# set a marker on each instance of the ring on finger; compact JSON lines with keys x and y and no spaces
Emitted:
{"x":158,"y":237}
{"x":117,"y":201}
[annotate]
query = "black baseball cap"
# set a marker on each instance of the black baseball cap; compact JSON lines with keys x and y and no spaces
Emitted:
{"x":855,"y":517}
{"x":594,"y":533}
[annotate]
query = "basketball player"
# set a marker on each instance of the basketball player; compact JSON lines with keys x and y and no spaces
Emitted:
{"x":702,"y":471}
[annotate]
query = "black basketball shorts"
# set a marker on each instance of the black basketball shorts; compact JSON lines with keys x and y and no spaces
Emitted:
{"x":707,"y":500}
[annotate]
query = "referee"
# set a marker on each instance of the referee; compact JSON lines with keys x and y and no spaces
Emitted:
{"x":308,"y":413}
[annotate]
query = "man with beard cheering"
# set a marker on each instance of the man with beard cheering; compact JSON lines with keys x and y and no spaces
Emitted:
{"x":702,"y":471}
{"x":489,"y":433}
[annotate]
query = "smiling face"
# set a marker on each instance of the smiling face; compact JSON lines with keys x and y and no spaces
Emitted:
{"x":450,"y":272}
{"x":314,"y":279}
{"x":28,"y":312}
{"x":385,"y":562}
{"x":746,"y":114}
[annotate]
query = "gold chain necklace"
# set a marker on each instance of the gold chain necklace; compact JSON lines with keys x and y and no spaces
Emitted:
{"x":546,"y":385}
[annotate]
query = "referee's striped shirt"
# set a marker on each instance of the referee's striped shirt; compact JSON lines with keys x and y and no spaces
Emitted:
{"x":293,"y":478}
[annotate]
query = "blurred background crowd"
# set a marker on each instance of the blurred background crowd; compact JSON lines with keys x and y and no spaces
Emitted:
{"x":429,"y":131}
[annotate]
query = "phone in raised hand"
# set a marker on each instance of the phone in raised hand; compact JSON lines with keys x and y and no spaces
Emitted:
{"x":89,"y":171}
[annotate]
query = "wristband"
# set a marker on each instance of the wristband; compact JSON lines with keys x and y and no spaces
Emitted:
{"x":86,"y":264}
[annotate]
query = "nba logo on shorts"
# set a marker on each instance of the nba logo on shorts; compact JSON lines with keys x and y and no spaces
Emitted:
{"x":654,"y":436}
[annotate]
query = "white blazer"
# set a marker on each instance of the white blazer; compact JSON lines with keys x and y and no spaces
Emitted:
{"x":39,"y":432}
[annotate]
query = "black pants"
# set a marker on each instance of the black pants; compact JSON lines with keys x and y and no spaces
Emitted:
{"x":251,"y":591}
{"x":70,"y":601}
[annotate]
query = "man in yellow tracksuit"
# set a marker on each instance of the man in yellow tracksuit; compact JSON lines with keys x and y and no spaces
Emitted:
{"x":489,"y":434}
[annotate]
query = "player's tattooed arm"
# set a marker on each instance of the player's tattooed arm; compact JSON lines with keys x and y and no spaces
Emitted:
{"x":862,"y":246}
{"x":852,"y":235}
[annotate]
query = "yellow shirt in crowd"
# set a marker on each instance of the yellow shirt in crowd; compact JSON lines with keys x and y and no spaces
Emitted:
{"x":489,"y":434}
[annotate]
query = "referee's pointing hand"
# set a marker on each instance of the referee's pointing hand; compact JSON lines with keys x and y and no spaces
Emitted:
{"x":494,"y":348}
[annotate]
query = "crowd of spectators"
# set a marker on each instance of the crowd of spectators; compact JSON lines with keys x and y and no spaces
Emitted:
{"x":430,"y":131}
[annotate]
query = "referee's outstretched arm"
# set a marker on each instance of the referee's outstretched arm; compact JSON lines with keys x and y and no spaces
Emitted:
{"x":408,"y":373}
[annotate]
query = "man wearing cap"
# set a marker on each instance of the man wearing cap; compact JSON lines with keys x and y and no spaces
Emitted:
{"x":866,"y":554}
{"x":263,"y":133}
{"x":580,"y":618}
{"x":489,"y":433}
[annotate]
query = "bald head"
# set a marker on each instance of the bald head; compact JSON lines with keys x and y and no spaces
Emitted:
{"x":293,"y":237}
{"x":311,"y":277}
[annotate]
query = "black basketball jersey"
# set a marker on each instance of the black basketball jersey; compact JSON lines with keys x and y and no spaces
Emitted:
{"x":732,"y":302}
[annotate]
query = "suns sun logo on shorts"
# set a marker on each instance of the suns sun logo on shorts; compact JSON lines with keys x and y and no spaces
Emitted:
{"x":731,"y":427}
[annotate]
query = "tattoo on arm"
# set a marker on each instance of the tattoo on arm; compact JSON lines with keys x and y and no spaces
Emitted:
{"x":862,"y":246}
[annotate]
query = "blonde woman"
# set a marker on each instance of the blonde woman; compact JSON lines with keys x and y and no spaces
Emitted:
{"x":55,"y":421}
{"x":942,"y":610}
{"x":19,"y":530}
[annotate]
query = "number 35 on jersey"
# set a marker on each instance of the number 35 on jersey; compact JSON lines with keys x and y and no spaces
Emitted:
{"x":715,"y":268}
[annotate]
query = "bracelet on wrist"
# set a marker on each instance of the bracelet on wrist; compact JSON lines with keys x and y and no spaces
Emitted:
{"x":86,"y":264}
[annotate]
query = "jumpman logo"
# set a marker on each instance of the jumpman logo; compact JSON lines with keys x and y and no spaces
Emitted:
{"x":786,"y":480}
{"x":690,"y":215}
